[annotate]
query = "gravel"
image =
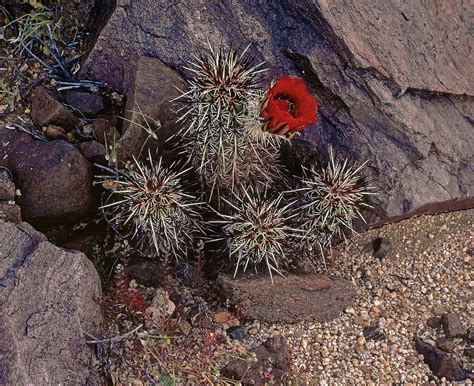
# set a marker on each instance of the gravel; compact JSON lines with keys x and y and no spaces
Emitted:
{"x":426,"y":273}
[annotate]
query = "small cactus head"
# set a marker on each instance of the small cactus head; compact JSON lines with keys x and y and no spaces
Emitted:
{"x":257,"y":232}
{"x":332,"y":196}
{"x":148,"y":198}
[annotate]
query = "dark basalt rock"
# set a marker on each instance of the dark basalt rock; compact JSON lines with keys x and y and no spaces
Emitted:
{"x":441,"y":363}
{"x":409,"y":112}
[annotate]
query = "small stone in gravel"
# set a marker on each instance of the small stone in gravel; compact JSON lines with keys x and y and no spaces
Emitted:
{"x":372,"y":333}
{"x":452,"y":325}
{"x":469,"y":352}
{"x":237,"y":332}
{"x":439,"y":310}
{"x":445,"y":344}
{"x":381,"y":247}
{"x":434,"y":322}
{"x":470,"y":334}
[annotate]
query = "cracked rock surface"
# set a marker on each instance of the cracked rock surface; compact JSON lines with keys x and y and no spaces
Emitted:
{"x":49,"y":299}
{"x":393,"y":79}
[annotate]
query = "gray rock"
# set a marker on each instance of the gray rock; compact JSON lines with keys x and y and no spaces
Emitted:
{"x":453,"y":326}
{"x":94,"y":151}
{"x":85,"y":102}
{"x":381,"y":247}
{"x":48,"y":302}
{"x":445,"y":344}
{"x":54,"y":178}
{"x":400,"y":97}
{"x":292,"y":299}
{"x":10,"y":212}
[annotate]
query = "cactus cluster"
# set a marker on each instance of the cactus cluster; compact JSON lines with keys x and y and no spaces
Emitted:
{"x":233,"y":132}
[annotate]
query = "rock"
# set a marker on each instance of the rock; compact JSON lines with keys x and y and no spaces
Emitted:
{"x":237,"y":332}
{"x":445,"y":344}
{"x":452,"y":325}
{"x":225,"y":317}
{"x":10,"y":212}
{"x":434,"y":322}
{"x":270,"y":367}
{"x":86,"y":103}
{"x":54,"y":178}
{"x":470,"y":335}
{"x":49,"y":300}
{"x":153,"y":88}
{"x":53,"y":132}
{"x":47,"y":110}
{"x":144,"y":272}
{"x":469,"y":352}
{"x":291,"y":299}
{"x":94,"y":151}
{"x":373,"y":333}
{"x":441,"y":363}
{"x":407,"y":111}
{"x":7,"y":187}
{"x":381,"y":247}
{"x":102,"y":126}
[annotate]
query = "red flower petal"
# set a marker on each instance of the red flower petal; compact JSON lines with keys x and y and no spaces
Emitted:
{"x":290,"y":102}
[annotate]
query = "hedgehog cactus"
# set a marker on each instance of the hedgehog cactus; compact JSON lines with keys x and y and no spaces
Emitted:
{"x":257,"y":231}
{"x":150,"y":199}
{"x":221,"y":114}
{"x":331,"y":198}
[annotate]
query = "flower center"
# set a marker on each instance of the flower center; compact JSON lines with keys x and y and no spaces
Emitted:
{"x":285,"y":103}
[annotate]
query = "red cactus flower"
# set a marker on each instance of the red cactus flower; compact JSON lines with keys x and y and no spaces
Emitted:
{"x":290,"y":107}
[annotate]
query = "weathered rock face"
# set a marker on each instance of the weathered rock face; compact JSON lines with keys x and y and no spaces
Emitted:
{"x":153,"y":87}
{"x":54,"y":178}
{"x":393,"y":79}
{"x":289,"y":299}
{"x":48,"y":301}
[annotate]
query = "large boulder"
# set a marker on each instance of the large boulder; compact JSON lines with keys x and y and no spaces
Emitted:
{"x":54,"y":178}
{"x":394,"y":80}
{"x":49,"y":301}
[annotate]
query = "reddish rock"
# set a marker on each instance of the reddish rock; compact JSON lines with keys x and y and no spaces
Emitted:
{"x":441,"y":363}
{"x":271,"y":366}
{"x":47,"y":110}
{"x":94,"y":151}
{"x":294,"y":298}
{"x":54,"y":178}
{"x":453,"y":326}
